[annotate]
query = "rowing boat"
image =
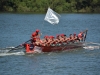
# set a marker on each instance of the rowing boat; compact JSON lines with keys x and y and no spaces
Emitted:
{"x":53,"y":48}
{"x":53,"y":18}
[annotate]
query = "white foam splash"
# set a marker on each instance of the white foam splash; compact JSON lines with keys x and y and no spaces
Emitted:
{"x":95,"y":43}
{"x":5,"y":50}
{"x":15,"y":53}
{"x":91,"y":47}
{"x":10,"y":47}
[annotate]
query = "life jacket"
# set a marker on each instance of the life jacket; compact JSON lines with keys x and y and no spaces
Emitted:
{"x":34,"y":34}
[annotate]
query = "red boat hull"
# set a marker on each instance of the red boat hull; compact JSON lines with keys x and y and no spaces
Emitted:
{"x":53,"y":48}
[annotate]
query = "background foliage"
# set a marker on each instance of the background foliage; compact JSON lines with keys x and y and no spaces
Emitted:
{"x":40,"y":6}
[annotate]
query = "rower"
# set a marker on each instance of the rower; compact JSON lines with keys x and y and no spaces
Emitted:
{"x":71,"y":38}
{"x":65,"y":39}
{"x":35,"y":37}
{"x":62,"y":37}
{"x":80,"y":36}
{"x":33,"y":40}
{"x":53,"y":41}
{"x":59,"y":40}
{"x":49,"y":40}
{"x":36,"y":34}
{"x":75,"y":37}
{"x":45,"y":40}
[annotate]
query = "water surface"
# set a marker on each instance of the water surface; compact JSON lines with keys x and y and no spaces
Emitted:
{"x":17,"y":28}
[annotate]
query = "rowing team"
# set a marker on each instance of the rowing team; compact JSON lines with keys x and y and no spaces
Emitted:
{"x":59,"y":39}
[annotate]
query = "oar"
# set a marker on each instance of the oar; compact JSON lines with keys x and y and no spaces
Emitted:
{"x":18,"y":46}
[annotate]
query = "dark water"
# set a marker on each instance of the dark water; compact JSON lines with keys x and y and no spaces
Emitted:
{"x":17,"y":28}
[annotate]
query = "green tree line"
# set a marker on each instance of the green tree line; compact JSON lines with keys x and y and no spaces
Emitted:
{"x":61,"y":6}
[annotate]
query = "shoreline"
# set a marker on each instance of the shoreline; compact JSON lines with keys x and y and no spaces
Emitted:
{"x":45,"y":12}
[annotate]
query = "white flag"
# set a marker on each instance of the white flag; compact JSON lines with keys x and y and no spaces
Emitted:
{"x":52,"y":17}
